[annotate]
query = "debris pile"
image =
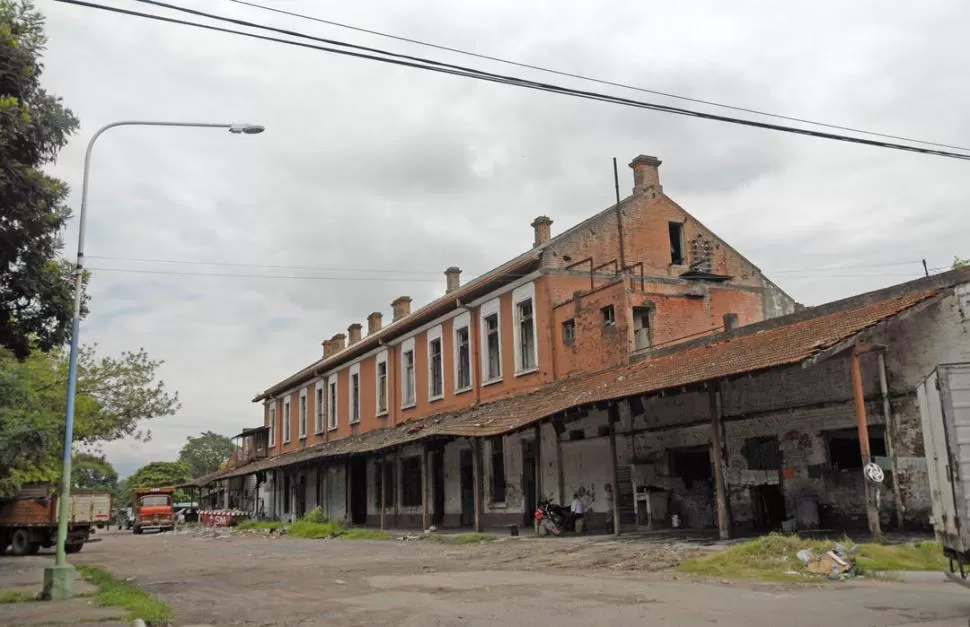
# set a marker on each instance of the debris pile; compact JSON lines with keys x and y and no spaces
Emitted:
{"x":837,"y":564}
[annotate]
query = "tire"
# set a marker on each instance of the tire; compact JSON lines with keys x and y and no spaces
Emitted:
{"x":73,"y":548}
{"x":136,"y":531}
{"x":22,"y":544}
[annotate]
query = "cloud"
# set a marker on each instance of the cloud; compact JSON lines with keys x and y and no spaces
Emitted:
{"x":372,"y":179}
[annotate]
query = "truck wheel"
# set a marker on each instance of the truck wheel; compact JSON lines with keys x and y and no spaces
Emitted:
{"x":22,"y":544}
{"x":73,"y":548}
{"x":136,"y":530}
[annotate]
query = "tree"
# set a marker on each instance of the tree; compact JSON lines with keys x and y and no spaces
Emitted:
{"x":960,"y":263}
{"x":93,"y":472}
{"x":36,"y":291}
{"x":114,"y":397}
{"x":160,"y":475}
{"x":205,"y":453}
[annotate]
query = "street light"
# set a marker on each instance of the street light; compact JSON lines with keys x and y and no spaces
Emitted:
{"x":59,"y":579}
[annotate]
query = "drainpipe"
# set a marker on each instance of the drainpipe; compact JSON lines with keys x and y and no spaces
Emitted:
{"x":890,"y":448}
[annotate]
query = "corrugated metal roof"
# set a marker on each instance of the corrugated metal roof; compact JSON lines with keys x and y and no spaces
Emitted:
{"x":773,"y":347}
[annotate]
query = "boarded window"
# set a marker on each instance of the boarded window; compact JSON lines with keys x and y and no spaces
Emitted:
{"x":411,"y":481}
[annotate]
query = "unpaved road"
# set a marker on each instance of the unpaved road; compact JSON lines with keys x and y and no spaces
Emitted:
{"x":253,"y":580}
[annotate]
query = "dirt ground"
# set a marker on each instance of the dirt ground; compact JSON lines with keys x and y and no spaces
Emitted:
{"x":246,"y":579}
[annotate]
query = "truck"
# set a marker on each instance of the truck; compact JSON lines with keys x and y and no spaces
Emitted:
{"x":944,"y":405}
{"x":151,"y":508}
{"x":28,"y":520}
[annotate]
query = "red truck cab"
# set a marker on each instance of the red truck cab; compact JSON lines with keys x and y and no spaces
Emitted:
{"x":152,"y":509}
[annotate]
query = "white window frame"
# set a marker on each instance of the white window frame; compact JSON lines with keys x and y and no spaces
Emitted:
{"x":354,"y":372}
{"x":520,"y":295}
{"x":286,"y":420}
{"x":492,"y":307}
{"x":272,"y":422}
{"x":319,"y":406}
{"x":382,"y":359}
{"x":302,"y":408}
{"x":463,"y":321}
{"x":436,"y":334}
{"x":333,"y":398}
{"x":406,"y":346}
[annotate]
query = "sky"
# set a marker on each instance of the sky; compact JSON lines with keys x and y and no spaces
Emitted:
{"x":371,"y":179}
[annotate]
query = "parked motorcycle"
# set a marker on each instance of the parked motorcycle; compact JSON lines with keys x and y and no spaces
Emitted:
{"x":551,"y":518}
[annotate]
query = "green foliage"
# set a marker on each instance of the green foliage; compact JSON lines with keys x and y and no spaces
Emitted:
{"x":16,"y":596}
{"x":205,"y":453}
{"x":960,"y":263}
{"x":314,"y":525}
{"x":114,"y":397}
{"x":93,"y":472}
{"x":161,"y":475}
{"x":260,"y":525}
{"x":909,"y":556}
{"x":115,"y":593}
{"x":315,"y":515}
{"x":36,"y":288}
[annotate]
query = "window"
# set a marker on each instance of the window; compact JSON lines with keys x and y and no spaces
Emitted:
{"x":272,"y":424}
{"x":437,"y":374}
{"x":411,"y":481}
{"x":609,"y":316}
{"x":303,"y":413}
{"x":527,"y":336}
{"x":382,"y":384}
{"x":676,"y":230}
{"x":498,"y":470}
{"x":332,"y":404}
{"x":407,"y":370}
{"x":355,"y":394}
{"x":569,"y":332}
{"x":691,"y":464}
{"x":318,"y":408}
{"x":642,"y":331}
{"x":493,"y":350}
{"x":463,"y":354}
{"x":843,"y":445}
{"x":286,"y":421}
{"x":385,"y":482}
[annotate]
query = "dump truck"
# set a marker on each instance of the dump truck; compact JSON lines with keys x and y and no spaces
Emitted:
{"x":151,"y":508}
{"x":28,"y":520}
{"x":944,"y":404}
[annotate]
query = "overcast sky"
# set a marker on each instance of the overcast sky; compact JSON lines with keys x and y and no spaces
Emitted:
{"x":379,"y":177}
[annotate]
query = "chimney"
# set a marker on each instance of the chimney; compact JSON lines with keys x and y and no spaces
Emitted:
{"x":374,"y":322}
{"x":327,"y":348}
{"x":646,"y":173}
{"x":401,"y":307}
{"x":337,"y":343}
{"x":353,"y":333}
{"x":451,"y":279}
{"x":730,"y":321}
{"x":543,"y":229}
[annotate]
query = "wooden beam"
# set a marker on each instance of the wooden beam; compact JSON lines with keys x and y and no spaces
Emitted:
{"x":613,"y":418}
{"x":559,"y":428}
{"x":717,"y":458}
{"x":872,"y":512}
{"x":424,"y":487}
{"x":477,"y":481}
{"x":382,"y":460}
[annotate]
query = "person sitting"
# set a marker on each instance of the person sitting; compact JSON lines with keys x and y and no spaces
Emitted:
{"x":576,"y":514}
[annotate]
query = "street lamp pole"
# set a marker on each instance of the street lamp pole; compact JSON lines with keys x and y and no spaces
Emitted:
{"x":59,"y":579}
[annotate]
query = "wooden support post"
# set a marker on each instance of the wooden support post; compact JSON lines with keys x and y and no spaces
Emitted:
{"x":858,"y":395}
{"x":717,"y":459}
{"x":559,"y":427}
{"x":613,"y":418}
{"x":477,"y":481}
{"x":424,"y":487}
{"x":382,"y":460}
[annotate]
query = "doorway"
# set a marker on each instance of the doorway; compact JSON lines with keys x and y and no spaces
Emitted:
{"x":467,"y":488}
{"x":358,"y":490}
{"x":438,"y":487}
{"x":767,"y":507}
{"x":300,"y":495}
{"x":529,"y":496}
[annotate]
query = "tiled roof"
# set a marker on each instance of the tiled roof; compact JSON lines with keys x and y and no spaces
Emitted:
{"x":779,"y":346}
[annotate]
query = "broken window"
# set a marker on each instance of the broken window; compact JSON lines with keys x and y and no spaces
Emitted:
{"x":437,"y":369}
{"x":676,"y":243}
{"x":411,"y":481}
{"x":642,"y":330}
{"x":843,"y":445}
{"x":463,"y":379}
{"x":691,"y":464}
{"x":408,"y":381}
{"x":381,"y":387}
{"x":492,"y":348}
{"x":569,"y":332}
{"x":762,"y":453}
{"x":498,"y":469}
{"x":355,"y":398}
{"x":609,"y":316}
{"x":527,"y":335}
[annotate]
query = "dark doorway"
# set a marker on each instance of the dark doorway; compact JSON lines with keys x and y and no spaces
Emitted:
{"x":286,"y":493}
{"x":767,"y":507}
{"x":358,"y":490}
{"x":530,"y":499}
{"x":300,"y":495}
{"x":438,"y":487}
{"x":467,"y":489}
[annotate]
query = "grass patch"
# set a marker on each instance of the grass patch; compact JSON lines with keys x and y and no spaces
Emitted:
{"x":364,"y":534}
{"x":461,"y":538}
{"x":116,"y":593}
{"x":773,"y":558}
{"x":254,"y":525}
{"x":16,"y":596}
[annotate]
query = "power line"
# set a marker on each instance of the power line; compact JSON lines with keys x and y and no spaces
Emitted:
{"x":455,"y":70}
{"x":588,"y":78}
